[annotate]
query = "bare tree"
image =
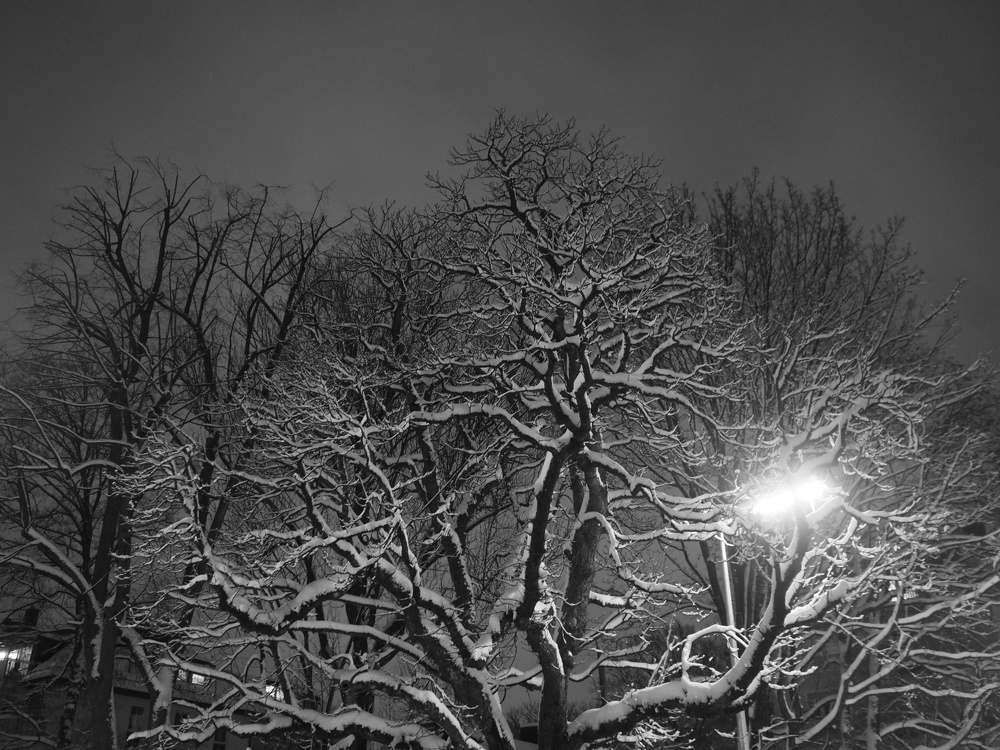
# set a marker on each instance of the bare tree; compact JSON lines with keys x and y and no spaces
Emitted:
{"x":494,"y":445}
{"x":557,"y":351}
{"x":822,"y":293}
{"x":161,"y":301}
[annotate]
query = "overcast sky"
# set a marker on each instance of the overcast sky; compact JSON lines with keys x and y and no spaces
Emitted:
{"x":896,"y":103}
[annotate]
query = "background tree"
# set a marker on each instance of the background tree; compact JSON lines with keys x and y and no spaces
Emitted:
{"x":820,"y":291}
{"x":161,"y":300}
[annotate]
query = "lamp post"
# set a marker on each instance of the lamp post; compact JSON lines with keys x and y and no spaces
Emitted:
{"x":807,"y":491}
{"x":742,"y":729}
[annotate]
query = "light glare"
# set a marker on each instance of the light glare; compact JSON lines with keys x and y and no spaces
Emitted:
{"x":807,"y":492}
{"x":774,"y":502}
{"x":812,"y":490}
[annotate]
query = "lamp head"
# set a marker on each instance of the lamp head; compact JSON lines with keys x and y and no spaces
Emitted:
{"x":780,"y":500}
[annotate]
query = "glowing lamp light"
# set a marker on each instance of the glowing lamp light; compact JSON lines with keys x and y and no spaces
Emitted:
{"x":781,"y":500}
{"x":774,"y":503}
{"x":812,"y":490}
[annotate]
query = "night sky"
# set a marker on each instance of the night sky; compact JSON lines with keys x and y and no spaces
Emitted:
{"x":896,"y":103}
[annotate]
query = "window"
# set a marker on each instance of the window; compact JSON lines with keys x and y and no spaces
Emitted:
{"x":273,"y":691}
{"x":191,"y":678}
{"x":135,"y":722}
{"x":528,"y":733}
{"x":14,"y":660}
{"x":127,"y":668}
{"x":219,"y":739}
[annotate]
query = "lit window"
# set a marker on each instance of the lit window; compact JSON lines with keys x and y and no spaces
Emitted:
{"x":275,"y":692}
{"x":191,"y":678}
{"x":14,"y":660}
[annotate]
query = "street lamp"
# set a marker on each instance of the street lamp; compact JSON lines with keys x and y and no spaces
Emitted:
{"x":742,"y":730}
{"x":782,"y":500}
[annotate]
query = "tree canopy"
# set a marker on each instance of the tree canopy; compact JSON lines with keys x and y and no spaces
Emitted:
{"x":369,"y":483}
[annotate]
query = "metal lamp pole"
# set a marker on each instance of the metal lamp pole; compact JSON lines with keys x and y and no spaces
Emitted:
{"x":807,"y":490}
{"x":742,"y":731}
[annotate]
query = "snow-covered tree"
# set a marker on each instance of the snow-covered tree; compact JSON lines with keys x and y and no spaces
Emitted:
{"x":494,"y":457}
{"x":157,"y":301}
{"x":822,"y":293}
